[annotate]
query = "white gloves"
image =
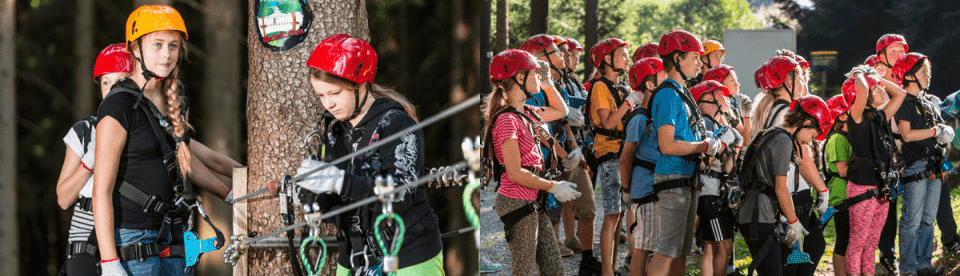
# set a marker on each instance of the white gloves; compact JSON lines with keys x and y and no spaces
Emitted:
{"x":112,"y":268}
{"x":575,"y":118}
{"x":714,"y":146}
{"x":866,"y":70}
{"x":546,"y":81}
{"x":626,"y":198}
{"x":573,"y":160}
{"x":328,"y":180}
{"x":564,"y":191}
{"x":634,"y":98}
{"x":795,"y":232}
{"x":746,"y":105}
{"x":944,"y":134}
{"x":731,"y":137}
{"x":822,"y":199}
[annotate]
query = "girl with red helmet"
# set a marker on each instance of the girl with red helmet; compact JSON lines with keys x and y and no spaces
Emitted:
{"x":768,"y":217}
{"x":784,"y":79}
{"x":873,"y":165}
{"x":925,"y":137}
{"x":837,"y":154}
{"x":715,"y":227}
{"x":512,"y":135}
{"x":637,"y":162}
{"x":342,"y":71}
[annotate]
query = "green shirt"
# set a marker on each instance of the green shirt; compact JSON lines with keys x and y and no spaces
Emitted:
{"x":838,"y":149}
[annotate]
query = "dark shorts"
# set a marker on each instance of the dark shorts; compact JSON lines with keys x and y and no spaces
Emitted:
{"x":715,"y":219}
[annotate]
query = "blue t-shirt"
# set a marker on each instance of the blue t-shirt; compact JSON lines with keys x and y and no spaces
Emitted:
{"x":668,"y":109}
{"x":641,"y":183}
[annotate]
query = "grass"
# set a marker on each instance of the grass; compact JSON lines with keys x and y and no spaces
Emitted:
{"x":743,"y":259}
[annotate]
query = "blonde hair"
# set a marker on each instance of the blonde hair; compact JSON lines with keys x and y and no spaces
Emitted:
{"x":764,"y":103}
{"x":177,"y":110}
{"x":377,"y":91}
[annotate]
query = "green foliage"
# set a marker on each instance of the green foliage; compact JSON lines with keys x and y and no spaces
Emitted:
{"x":635,"y":21}
{"x":265,"y":10}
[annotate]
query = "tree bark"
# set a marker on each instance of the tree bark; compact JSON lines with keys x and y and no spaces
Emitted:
{"x":8,"y":134}
{"x":137,"y":3}
{"x":503,"y":25}
{"x":590,"y":27}
{"x":86,"y":54}
{"x":539,"y":14}
{"x":221,"y":102}
{"x":281,"y":110}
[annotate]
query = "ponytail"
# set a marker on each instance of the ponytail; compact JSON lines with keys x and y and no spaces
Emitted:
{"x":761,"y":111}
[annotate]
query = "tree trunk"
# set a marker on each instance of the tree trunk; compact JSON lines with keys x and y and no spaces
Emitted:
{"x":8,"y":134}
{"x":137,"y":3}
{"x":503,"y":26}
{"x":281,"y":109}
{"x":85,"y":53}
{"x":590,"y":27}
{"x":221,"y":101}
{"x":539,"y":12}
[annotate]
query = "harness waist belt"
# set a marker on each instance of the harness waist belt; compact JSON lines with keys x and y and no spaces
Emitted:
{"x":647,"y":199}
{"x":637,"y":162}
{"x":846,"y":203}
{"x":510,"y":219}
{"x":615,"y":134}
{"x":686,"y":182}
{"x":916,"y":177}
{"x":85,"y":203}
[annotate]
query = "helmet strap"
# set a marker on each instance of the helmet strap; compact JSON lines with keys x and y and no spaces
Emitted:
{"x":676,"y":64}
{"x":884,"y":53}
{"x":359,"y":105}
{"x":707,"y":63}
{"x":523,"y":86}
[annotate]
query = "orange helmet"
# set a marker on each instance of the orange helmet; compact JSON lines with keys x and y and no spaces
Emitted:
{"x":152,"y":18}
{"x":711,"y":45}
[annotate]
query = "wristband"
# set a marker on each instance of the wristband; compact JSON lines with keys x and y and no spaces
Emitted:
{"x":824,"y":190}
{"x":794,"y":221}
{"x":708,"y":146}
{"x":552,"y":183}
{"x":110,"y":260}
{"x":85,"y":167}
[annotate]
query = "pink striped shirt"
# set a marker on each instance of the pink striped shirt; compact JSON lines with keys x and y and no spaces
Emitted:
{"x":511,"y":126}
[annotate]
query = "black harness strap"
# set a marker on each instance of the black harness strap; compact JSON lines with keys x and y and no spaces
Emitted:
{"x":637,"y":162}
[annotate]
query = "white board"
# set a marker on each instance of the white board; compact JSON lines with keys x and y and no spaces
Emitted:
{"x":748,"y":49}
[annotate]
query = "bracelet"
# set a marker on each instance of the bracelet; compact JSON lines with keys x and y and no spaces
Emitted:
{"x":110,"y":260}
{"x":824,"y":190}
{"x":794,"y":221}
{"x":85,"y":167}
{"x":708,"y":146}
{"x":552,"y":183}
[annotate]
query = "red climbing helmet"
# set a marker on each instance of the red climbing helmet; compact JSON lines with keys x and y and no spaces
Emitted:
{"x":890,"y":39}
{"x":506,"y":64}
{"x":872,"y":60}
{"x":774,"y":72}
{"x":113,"y":59}
{"x":642,"y":69}
{"x":346,"y":57}
{"x":538,"y":44}
{"x":837,"y":105}
{"x":604,"y":48}
{"x":645,"y":51}
{"x":573,"y":44}
{"x":802,"y":61}
{"x":679,"y":40}
{"x":814,"y":106}
{"x":708,"y":86}
{"x":718,"y":73}
{"x":905,"y":64}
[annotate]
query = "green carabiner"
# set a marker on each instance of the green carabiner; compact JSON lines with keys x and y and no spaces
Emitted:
{"x":396,"y":243}
{"x":306,"y":261}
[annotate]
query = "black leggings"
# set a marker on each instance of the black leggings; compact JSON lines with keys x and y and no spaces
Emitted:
{"x":770,"y":262}
{"x":814,"y":243}
{"x":841,"y":222}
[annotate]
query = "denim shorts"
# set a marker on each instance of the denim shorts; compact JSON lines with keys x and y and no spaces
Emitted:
{"x":151,"y":265}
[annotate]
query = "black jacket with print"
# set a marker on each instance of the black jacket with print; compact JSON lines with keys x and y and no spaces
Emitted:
{"x":403,"y":159}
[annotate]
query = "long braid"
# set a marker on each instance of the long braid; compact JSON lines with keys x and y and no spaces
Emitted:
{"x":178,"y":120}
